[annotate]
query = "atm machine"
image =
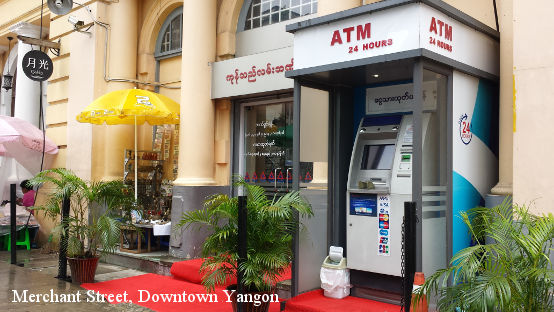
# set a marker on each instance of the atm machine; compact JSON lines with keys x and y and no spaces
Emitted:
{"x":379,"y":182}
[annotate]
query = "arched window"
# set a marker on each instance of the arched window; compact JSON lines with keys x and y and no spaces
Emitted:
{"x":169,"y":39}
{"x":265,"y":12}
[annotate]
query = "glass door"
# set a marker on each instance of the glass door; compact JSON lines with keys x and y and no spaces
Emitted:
{"x":434,"y":177}
{"x":266,"y":144}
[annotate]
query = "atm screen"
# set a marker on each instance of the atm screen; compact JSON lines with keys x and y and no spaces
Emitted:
{"x":377,"y":157}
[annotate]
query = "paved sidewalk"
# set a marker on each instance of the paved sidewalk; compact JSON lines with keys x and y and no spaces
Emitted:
{"x":37,"y":277}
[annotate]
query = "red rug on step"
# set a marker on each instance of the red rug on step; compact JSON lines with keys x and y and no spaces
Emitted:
{"x":146,"y":290}
{"x":314,"y":301}
{"x":189,"y":270}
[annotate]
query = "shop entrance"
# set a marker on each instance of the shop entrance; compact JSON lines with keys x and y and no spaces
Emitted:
{"x":266,"y":144}
{"x":264,"y":156}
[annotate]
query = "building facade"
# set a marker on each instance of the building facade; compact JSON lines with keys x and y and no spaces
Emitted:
{"x":226,"y":62}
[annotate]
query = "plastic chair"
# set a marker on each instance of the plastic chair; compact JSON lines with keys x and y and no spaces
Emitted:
{"x":25,"y":242}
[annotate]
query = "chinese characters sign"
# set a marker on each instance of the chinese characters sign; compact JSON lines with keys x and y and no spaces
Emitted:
{"x":37,"y":65}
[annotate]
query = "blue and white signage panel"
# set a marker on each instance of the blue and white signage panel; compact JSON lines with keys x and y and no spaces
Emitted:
{"x":363,"y":205}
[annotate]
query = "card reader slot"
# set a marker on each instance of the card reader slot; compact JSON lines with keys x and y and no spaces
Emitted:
{"x":384,"y":190}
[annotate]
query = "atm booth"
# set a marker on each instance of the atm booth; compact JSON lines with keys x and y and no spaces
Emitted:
{"x":413,"y":106}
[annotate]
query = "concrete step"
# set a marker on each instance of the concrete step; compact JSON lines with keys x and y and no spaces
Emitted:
{"x":283,"y":289}
{"x":158,"y":262}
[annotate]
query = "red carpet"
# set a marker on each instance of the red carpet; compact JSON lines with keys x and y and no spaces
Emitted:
{"x":185,"y":293}
{"x":155,"y":285}
{"x":314,"y":301}
{"x":189,"y":271}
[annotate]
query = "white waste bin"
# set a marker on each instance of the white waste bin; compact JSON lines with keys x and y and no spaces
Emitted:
{"x":335,"y":278}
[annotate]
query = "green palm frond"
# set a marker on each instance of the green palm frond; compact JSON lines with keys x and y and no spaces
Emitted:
{"x":270,"y":223}
{"x":513,"y":273}
{"x":109,"y":230}
{"x":196,"y":217}
{"x":94,"y":205}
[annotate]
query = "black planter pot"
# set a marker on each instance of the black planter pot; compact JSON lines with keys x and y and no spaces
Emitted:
{"x":250,"y":306}
{"x":83,"y":269}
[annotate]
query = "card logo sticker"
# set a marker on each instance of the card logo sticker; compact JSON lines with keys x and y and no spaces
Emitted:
{"x":383,"y":236}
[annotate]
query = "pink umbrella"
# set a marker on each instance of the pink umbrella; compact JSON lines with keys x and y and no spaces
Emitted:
{"x":23,"y":141}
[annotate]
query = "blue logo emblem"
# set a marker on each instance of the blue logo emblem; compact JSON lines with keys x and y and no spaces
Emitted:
{"x":465,"y":129}
{"x":384,"y":232}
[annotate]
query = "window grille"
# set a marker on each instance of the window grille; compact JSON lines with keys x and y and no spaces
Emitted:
{"x":265,"y":12}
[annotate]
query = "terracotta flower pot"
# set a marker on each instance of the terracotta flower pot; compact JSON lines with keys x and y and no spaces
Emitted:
{"x":83,"y":269}
{"x":250,"y":306}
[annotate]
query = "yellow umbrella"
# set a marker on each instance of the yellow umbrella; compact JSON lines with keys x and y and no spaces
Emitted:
{"x":131,"y":106}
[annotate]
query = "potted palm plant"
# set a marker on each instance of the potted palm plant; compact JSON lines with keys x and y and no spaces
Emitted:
{"x":512,"y":272}
{"x":92,"y":227}
{"x":270,"y":227}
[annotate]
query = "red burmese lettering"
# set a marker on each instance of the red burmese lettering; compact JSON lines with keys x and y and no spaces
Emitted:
{"x":441,"y":25}
{"x":363,"y":31}
{"x":336,"y":38}
{"x":348,"y":31}
{"x":433,"y":27}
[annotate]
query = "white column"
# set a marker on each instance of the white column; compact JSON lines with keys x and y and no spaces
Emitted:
{"x":196,"y":132}
{"x":506,"y":114}
{"x":122,"y":64}
{"x":28,"y":91}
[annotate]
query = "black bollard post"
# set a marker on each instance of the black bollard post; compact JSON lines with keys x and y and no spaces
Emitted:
{"x":242,"y":246}
{"x":409,"y":252}
{"x":13,"y":231}
{"x":62,"y":260}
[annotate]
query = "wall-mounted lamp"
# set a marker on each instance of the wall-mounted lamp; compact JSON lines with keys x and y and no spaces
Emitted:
{"x":8,"y":79}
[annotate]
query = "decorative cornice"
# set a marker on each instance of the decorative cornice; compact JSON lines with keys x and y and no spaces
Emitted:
{"x":25,"y":17}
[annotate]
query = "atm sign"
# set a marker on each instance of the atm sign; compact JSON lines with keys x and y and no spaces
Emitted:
{"x":357,"y":38}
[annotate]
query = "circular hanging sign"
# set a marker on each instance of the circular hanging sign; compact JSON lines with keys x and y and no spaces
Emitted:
{"x":37,"y":65}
